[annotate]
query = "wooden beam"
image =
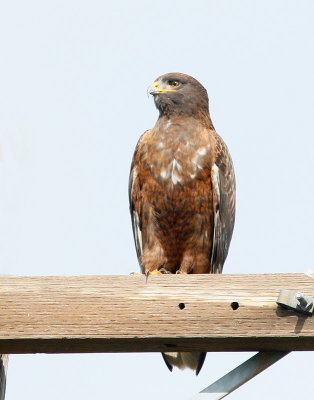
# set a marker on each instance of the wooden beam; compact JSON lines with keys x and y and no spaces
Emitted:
{"x":165,"y":313}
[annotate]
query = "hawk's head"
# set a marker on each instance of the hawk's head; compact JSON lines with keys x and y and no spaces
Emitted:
{"x":177,"y":93}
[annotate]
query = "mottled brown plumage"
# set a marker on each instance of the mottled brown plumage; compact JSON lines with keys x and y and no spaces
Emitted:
{"x":182,"y":189}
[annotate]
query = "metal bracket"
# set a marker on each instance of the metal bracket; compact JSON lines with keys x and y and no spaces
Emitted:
{"x":296,"y":301}
{"x":240,"y":375}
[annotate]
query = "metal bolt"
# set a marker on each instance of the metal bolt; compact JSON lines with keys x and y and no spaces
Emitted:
{"x":304,"y":302}
{"x":301,"y":299}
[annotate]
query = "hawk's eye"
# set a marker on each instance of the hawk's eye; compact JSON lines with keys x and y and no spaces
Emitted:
{"x":173,"y":83}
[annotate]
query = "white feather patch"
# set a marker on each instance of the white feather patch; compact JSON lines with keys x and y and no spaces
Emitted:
{"x":137,"y":233}
{"x":176,"y":169}
{"x":134,"y":175}
{"x":172,"y":171}
{"x":215,"y":181}
{"x":216,"y":188}
{"x":168,"y":123}
{"x":198,"y":156}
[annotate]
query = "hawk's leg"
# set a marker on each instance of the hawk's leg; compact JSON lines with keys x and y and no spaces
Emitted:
{"x":187,"y":263}
{"x":194,"y":262}
{"x":153,"y":260}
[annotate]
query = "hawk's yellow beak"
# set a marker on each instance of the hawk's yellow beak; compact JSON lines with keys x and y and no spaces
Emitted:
{"x":156,"y":88}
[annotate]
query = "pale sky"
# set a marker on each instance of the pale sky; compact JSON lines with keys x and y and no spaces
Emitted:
{"x":73,"y":79}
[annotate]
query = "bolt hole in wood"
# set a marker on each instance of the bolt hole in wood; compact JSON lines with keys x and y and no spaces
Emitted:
{"x":181,"y":306}
{"x":234,"y":305}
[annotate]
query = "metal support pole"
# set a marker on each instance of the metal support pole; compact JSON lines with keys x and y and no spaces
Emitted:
{"x":241,"y":374}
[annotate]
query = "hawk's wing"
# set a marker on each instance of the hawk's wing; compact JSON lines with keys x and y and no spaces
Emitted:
{"x":136,"y":224}
{"x":223,"y":185}
{"x":136,"y":200}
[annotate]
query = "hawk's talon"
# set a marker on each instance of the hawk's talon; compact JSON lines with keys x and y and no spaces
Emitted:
{"x":156,"y":271}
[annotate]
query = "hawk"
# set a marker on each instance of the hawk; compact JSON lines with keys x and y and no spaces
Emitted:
{"x":182,"y":191}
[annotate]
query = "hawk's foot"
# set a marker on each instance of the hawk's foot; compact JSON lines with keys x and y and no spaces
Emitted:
{"x":160,"y":271}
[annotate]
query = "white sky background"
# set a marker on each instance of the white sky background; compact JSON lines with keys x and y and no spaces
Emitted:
{"x":73,"y":79}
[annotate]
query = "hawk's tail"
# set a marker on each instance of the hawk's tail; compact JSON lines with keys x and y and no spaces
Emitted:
{"x":3,"y":374}
{"x":185,"y":359}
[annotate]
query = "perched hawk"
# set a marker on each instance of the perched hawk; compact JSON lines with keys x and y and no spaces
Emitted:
{"x":182,"y":191}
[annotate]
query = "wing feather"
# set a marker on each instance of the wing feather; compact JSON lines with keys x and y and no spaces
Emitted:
{"x":223,"y":186}
{"x":135,"y":199}
{"x":136,"y":224}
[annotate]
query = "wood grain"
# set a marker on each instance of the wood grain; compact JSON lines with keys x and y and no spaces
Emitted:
{"x":129,"y":314}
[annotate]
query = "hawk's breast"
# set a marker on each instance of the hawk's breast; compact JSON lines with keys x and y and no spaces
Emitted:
{"x":175,"y":155}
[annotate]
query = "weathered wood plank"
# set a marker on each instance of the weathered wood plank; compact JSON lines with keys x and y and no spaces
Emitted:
{"x":127,"y":313}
